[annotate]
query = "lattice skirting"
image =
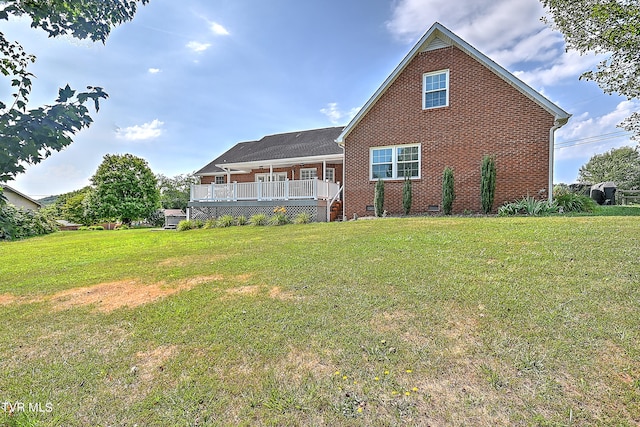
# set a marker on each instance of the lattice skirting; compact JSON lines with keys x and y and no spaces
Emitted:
{"x":318,"y":213}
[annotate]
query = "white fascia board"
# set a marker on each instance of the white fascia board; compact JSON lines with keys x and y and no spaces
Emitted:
{"x":440,"y":31}
{"x":248,"y":166}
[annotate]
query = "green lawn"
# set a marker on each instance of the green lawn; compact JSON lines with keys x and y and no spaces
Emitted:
{"x":419,"y":321}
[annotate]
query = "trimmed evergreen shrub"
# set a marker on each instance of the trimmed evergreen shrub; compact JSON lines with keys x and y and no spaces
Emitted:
{"x":378,"y":198}
{"x":407,"y":196}
{"x":487,"y":183}
{"x":448,"y":191}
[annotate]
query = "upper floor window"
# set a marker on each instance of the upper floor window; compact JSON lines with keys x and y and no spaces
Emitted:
{"x":435,"y":89}
{"x":395,"y":162}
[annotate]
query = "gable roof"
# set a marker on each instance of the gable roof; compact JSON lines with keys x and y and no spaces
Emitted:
{"x":20,"y":195}
{"x":437,"y":37}
{"x":278,"y":149}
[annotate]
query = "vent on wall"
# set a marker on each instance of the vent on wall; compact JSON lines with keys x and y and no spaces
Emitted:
{"x":436,"y":43}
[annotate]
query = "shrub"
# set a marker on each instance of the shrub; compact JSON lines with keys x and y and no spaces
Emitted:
{"x":279,"y":219}
{"x":259,"y":219}
{"x":226,"y":221}
{"x":407,"y":196}
{"x":210,"y":223}
{"x":96,"y":227}
{"x":186,"y":224}
{"x":571,"y":202}
{"x":22,"y":223}
{"x":302,"y":218}
{"x":448,"y":191}
{"x":527,"y":206}
{"x":123,"y":227}
{"x":378,"y":198}
{"x":241,"y":220}
{"x":487,"y":183}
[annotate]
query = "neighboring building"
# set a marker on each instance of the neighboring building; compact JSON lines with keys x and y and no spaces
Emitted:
{"x":446,"y":104}
{"x":172,"y":217}
{"x":19,"y":200}
{"x":298,"y":170}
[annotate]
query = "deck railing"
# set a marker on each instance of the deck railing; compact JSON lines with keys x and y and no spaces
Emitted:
{"x":276,"y":190}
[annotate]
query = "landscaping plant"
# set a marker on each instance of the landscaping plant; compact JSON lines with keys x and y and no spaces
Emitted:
{"x":448,"y":191}
{"x":378,"y":198}
{"x":407,"y":196}
{"x":487,"y":183}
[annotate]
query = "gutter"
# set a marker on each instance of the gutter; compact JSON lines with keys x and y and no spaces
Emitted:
{"x":559,"y":122}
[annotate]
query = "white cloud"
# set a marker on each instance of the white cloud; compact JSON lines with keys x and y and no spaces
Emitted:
{"x":569,"y":65}
{"x":337,"y":116}
{"x":154,"y":70}
{"x":198,"y":47}
{"x":219,"y":29}
{"x":141,"y":132}
{"x":586,"y":135}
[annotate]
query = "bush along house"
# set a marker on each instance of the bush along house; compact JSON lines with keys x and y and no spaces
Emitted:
{"x":445,"y":105}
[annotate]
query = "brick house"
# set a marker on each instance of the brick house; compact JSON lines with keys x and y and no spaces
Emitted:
{"x":445,"y":105}
{"x":298,"y":170}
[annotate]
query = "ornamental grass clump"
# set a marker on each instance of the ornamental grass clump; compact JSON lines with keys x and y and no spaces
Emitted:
{"x":258,"y":219}
{"x":571,"y":202}
{"x":302,"y":218}
{"x":279,"y":216}
{"x":226,"y":221}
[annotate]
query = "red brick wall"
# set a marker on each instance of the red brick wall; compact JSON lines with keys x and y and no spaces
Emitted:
{"x":485,"y":115}
{"x":292,"y":171}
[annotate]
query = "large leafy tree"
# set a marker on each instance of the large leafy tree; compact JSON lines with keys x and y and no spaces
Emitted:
{"x":124,"y":189}
{"x":29,"y":135}
{"x":175,"y":191}
{"x":619,"y":165}
{"x":609,"y":27}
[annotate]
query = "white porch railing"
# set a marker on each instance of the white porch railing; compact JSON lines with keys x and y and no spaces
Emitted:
{"x":276,"y":190}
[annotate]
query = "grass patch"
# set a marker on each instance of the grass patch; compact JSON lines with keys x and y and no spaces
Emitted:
{"x":442,"y":321}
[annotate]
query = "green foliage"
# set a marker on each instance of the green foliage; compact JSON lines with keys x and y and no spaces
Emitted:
{"x":241,"y":220}
{"x":191,"y":224}
{"x":175,"y":191}
{"x":487,"y":183}
{"x":210,"y":223}
{"x":608,"y":27}
{"x":302,"y":218}
{"x":21,"y":223}
{"x":407,"y":195}
{"x":571,"y":202}
{"x":279,"y":218}
{"x":448,"y":191}
{"x":259,"y":219}
{"x":125,"y":188}
{"x":528,"y":206}
{"x":378,"y":198}
{"x":620,"y":165}
{"x":31,"y":135}
{"x":226,"y":221}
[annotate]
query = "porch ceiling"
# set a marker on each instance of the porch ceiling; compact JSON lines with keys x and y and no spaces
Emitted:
{"x":248,"y":166}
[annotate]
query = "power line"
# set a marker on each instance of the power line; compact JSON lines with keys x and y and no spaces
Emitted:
{"x":592,"y":139}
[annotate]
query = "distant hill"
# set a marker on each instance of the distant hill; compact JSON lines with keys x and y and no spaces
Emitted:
{"x":48,"y":200}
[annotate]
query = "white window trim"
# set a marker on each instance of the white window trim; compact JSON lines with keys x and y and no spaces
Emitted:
{"x":267,"y":176}
{"x":308,"y":170}
{"x":394,"y":161}
{"x":217,"y":178}
{"x":424,"y":88}
{"x":333,"y":174}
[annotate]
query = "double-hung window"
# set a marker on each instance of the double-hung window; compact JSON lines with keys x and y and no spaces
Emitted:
{"x":396,"y":162}
{"x":435,"y":89}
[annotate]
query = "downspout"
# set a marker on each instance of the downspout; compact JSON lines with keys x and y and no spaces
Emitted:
{"x":559,"y":122}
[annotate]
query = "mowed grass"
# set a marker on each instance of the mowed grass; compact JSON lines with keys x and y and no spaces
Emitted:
{"x":418,"y":321}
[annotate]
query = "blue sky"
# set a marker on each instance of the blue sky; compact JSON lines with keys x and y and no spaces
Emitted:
{"x":189,"y":79}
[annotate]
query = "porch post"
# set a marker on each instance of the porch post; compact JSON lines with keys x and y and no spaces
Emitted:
{"x":324,"y":170}
{"x":286,"y":189}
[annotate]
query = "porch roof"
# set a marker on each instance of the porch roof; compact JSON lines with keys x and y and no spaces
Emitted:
{"x":278,"y":150}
